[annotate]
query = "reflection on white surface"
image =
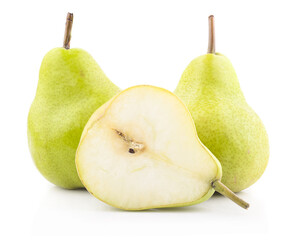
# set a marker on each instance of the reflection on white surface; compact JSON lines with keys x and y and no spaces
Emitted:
{"x":76,"y":212}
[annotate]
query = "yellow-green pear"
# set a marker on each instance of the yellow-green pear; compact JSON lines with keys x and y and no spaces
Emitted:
{"x":226,"y":124}
{"x":140,"y":150}
{"x":71,"y":87}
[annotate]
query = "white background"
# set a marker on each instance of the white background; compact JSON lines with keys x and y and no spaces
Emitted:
{"x":146,"y":42}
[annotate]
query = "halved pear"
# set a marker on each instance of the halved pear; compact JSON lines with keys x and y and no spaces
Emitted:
{"x":141,"y":150}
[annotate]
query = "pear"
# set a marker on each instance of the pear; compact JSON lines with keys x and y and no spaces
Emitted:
{"x":71,"y":87}
{"x":141,"y":151}
{"x":226,"y":124}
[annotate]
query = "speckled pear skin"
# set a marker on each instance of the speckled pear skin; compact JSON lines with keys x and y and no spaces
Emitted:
{"x":71,"y":87}
{"x":225,"y":123}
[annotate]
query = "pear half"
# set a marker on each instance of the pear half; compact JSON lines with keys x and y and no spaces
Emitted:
{"x":141,"y":151}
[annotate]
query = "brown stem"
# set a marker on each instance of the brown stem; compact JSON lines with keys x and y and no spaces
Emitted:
{"x":68,"y":28}
{"x":211,"y":45}
{"x":225,"y":191}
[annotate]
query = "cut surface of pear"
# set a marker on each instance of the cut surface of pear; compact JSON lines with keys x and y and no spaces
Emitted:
{"x":141,"y":150}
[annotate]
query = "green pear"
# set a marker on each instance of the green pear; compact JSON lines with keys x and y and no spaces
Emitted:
{"x":141,"y":150}
{"x":226,"y":124}
{"x":71,"y":87}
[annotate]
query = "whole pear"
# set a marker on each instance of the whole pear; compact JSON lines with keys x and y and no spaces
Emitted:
{"x":225,"y":123}
{"x":71,"y":87}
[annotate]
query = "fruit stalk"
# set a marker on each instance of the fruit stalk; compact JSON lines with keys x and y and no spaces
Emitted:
{"x":225,"y":191}
{"x":211,"y":45}
{"x":68,"y":28}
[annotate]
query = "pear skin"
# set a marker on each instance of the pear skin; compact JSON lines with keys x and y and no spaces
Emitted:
{"x":225,"y":123}
{"x":71,"y":87}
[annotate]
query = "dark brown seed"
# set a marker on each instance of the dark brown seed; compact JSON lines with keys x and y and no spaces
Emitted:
{"x":131,"y":150}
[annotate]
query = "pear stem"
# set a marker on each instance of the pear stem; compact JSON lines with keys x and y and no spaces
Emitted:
{"x":225,"y":191}
{"x":211,"y":45}
{"x":68,"y":28}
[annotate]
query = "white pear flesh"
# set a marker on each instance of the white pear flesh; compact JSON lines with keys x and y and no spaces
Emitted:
{"x":141,"y":151}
